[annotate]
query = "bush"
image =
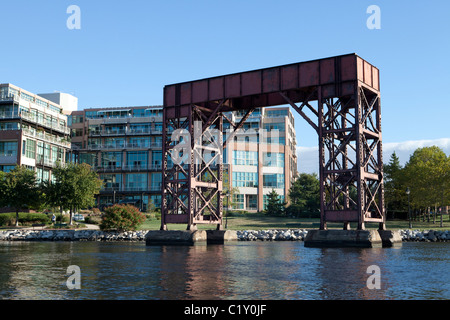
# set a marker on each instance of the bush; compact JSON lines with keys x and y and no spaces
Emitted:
{"x":122,"y":217}
{"x":25,"y":218}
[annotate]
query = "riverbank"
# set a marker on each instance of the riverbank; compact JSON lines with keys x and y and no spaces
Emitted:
{"x":245,"y":235}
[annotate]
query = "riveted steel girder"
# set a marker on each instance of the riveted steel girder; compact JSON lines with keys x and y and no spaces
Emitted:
{"x":338,"y":96}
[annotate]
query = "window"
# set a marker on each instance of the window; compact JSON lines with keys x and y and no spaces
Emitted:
{"x":156,"y":158}
{"x":41,"y":103}
{"x":78,"y":132}
{"x":40,"y":151}
{"x":54,"y":154}
{"x":27,"y":97}
{"x":276,"y":140}
{"x":91,"y":115}
{"x":112,"y":159}
{"x":116,"y":143}
{"x":274,"y":180}
{"x":156,"y":199}
{"x":157,"y":126}
{"x":138,"y":112}
{"x":238,"y":201}
{"x":136,"y":182}
{"x":60,"y":156}
{"x":54,"y":108}
{"x":139,"y":128}
{"x":89,"y":158}
{"x":7,"y":168}
{"x":137,"y":159}
{"x":30,"y":149}
{"x":156,"y":181}
{"x":9,"y":126}
{"x":111,"y":181}
{"x":77,"y":119}
{"x":94,"y":143}
{"x":276,"y":113}
{"x":274,"y":126}
{"x":46,"y":152}
{"x":252,"y":202}
{"x":94,"y":129}
{"x":248,"y":158}
{"x":114,"y":129}
{"x":245,"y":179}
{"x":139,"y":142}
{"x":8,"y":148}
{"x":273,"y":159}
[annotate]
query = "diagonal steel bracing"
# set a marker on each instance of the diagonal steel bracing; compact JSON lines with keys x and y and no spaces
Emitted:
{"x":338,"y":97}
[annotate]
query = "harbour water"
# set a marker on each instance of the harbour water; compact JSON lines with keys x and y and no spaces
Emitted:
{"x":241,"y":270}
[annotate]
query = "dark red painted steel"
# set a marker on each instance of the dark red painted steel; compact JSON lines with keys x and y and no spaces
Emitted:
{"x":347,"y":118}
{"x":336,"y":75}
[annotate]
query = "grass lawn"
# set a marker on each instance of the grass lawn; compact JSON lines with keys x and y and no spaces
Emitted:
{"x":260,"y":222}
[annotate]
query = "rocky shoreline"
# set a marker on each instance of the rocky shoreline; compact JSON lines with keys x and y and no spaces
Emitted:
{"x":245,"y":235}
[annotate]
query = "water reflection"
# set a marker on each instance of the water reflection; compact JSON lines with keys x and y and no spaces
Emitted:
{"x":239,"y":270}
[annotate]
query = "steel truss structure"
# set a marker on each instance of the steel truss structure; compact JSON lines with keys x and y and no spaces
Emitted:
{"x":338,"y":96}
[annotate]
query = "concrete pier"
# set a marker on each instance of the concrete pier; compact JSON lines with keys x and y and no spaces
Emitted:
{"x":176,"y":237}
{"x":343,"y":238}
{"x":390,"y":238}
{"x":220,"y":236}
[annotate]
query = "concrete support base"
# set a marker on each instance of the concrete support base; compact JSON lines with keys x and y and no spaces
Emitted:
{"x":343,"y":238}
{"x":390,"y":238}
{"x":175,"y":237}
{"x":221,"y":236}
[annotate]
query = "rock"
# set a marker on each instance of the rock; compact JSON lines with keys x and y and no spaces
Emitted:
{"x":431,"y":236}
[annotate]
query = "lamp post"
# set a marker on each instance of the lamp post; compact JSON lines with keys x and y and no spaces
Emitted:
{"x":409,"y":210}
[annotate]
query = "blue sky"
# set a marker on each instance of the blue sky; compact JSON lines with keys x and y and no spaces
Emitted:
{"x":126,"y":51}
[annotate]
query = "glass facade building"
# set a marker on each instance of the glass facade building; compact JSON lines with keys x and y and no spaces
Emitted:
{"x":34,"y":131}
{"x":124,"y":145}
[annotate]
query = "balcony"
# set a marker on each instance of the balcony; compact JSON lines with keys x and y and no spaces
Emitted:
{"x":46,"y":137}
{"x":128,"y":146}
{"x":122,"y":132}
{"x":44,"y":161}
{"x":9,"y":97}
{"x":128,"y":168}
{"x":9,"y":115}
{"x":111,"y":189}
{"x":48,"y":124}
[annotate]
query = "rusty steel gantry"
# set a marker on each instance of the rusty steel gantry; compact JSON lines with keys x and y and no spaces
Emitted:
{"x":338,"y":96}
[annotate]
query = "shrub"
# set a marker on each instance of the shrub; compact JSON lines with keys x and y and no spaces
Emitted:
{"x":122,"y":217}
{"x":25,"y":218}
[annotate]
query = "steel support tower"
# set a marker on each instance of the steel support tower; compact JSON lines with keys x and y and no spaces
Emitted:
{"x":338,"y":96}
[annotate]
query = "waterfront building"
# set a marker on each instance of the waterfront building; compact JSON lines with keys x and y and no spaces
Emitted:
{"x":261,"y":157}
{"x":33,"y":130}
{"x":124,"y":146}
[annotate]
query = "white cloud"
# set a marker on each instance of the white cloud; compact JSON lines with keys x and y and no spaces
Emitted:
{"x":308,"y":157}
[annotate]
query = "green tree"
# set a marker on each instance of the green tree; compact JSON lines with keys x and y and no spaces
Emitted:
{"x":305,"y":195}
{"x":427,"y":175}
{"x":275,"y":206}
{"x":394,"y":188}
{"x":20,"y":190}
{"x":74,"y":187}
